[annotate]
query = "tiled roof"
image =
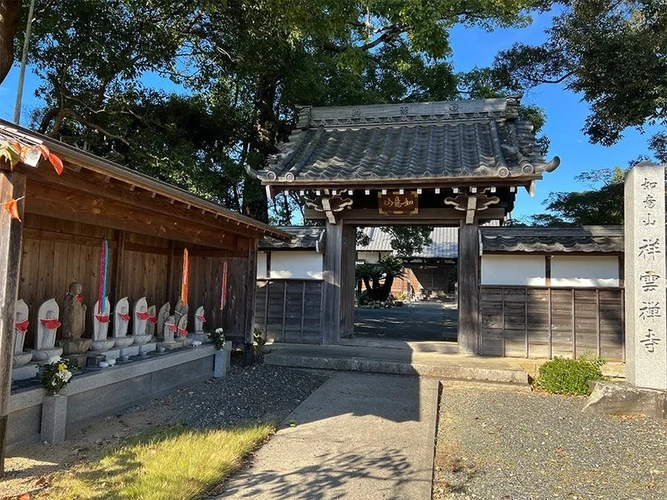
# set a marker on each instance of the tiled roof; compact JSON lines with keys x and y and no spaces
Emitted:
{"x":598,"y":239}
{"x":453,"y":140}
{"x":445,"y":243}
{"x":303,"y":238}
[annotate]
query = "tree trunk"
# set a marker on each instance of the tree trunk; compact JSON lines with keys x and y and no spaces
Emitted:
{"x":385,"y":290}
{"x":10,"y":16}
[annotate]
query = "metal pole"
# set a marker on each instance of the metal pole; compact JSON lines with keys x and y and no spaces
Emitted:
{"x":24,"y":61}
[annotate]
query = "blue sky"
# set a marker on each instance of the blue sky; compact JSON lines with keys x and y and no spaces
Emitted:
{"x":566,"y":113}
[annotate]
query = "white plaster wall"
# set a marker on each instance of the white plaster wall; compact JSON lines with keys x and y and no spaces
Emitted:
{"x":370,"y":257}
{"x":261,"y":264}
{"x":296,"y":264}
{"x":583,"y":270}
{"x":513,"y":270}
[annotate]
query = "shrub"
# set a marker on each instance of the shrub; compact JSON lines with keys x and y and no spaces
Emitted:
{"x":569,"y":376}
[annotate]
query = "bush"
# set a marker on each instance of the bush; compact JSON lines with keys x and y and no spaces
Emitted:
{"x":569,"y":376}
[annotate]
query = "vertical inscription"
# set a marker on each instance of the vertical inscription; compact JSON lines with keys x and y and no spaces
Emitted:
{"x":645,"y":276}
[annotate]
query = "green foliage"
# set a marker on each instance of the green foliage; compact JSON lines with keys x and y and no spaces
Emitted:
{"x":407,"y":241}
{"x":569,"y":376}
{"x":55,"y":376}
{"x":235,"y":71}
{"x":259,"y":342}
{"x":379,"y":277}
{"x":217,"y":337}
{"x":601,"y":205}
{"x":610,"y":52}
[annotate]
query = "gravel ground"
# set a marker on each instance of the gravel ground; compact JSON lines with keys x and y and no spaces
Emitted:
{"x":494,"y":443}
{"x":256,"y":393}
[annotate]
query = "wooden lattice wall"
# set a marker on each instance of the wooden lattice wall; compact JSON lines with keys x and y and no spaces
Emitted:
{"x":544,"y":322}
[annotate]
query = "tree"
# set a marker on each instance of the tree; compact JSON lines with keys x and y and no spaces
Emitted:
{"x":600,"y":205}
{"x":379,"y":277}
{"x":249,"y":60}
{"x":10,"y":17}
{"x":610,"y":51}
{"x":407,"y":241}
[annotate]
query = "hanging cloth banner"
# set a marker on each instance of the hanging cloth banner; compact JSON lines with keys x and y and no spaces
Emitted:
{"x":104,"y":269}
{"x":223,"y":286}
{"x":184,"y":283}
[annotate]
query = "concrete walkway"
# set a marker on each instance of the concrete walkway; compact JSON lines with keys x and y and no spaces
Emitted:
{"x":359,"y":436}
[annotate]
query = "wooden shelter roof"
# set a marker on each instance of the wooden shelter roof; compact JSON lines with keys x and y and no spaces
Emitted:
{"x":97,"y":191}
{"x":587,"y":239}
{"x":412,"y":144}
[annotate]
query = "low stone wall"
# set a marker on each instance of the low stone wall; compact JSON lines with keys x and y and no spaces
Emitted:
{"x":93,"y":395}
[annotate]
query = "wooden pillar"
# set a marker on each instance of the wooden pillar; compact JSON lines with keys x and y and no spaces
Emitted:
{"x":12,"y":186}
{"x":250,"y":294}
{"x":338,"y":285}
{"x":348,"y":283}
{"x":468,"y":276}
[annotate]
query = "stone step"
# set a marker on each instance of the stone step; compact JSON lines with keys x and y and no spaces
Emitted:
{"x":389,"y":361}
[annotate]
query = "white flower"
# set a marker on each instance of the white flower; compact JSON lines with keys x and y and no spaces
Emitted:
{"x":64,"y":376}
{"x":219,"y":330}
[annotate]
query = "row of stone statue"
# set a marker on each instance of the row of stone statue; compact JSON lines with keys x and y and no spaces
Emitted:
{"x":171,"y":328}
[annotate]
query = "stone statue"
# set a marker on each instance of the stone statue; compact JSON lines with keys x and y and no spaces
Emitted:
{"x":181,"y":310}
{"x":121,"y":318}
{"x":21,"y":323}
{"x":200,"y":319}
{"x":140,"y":321}
{"x":101,"y":340}
{"x":47,"y":325}
{"x":182,"y":330}
{"x":74,"y":313}
{"x":162,"y":315}
{"x":152,"y":321}
{"x":74,"y":325}
{"x":170,"y":328}
{"x":199,"y":335}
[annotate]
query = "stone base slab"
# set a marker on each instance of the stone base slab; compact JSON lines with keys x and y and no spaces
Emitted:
{"x":133,"y":350}
{"x":200,"y":336}
{"x":150,"y":347}
{"x":24,"y":372}
{"x":169,"y":345}
{"x":622,"y":398}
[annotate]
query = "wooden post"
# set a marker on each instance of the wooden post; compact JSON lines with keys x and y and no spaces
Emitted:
{"x":331,"y":285}
{"x":12,"y":186}
{"x":250,"y":286}
{"x":468,"y":287}
{"x":338,"y":285}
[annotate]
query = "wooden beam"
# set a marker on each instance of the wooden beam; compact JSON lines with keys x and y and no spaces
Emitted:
{"x":12,"y":186}
{"x":56,"y":201}
{"x":437,"y":216}
{"x":87,"y":182}
{"x":46,"y":235}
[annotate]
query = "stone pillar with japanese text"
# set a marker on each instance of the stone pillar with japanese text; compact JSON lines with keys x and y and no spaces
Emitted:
{"x":645,"y":313}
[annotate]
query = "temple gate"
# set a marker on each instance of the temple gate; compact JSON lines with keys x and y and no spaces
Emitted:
{"x":455,"y":163}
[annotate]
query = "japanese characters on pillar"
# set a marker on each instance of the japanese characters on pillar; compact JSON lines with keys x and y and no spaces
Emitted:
{"x":646,"y":350}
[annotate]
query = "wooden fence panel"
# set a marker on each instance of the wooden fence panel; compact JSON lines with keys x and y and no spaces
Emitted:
{"x":289,"y":310}
{"x":544,"y":322}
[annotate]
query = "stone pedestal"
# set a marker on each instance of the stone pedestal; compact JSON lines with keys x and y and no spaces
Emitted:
{"x":222,"y":361}
{"x":645,"y":304}
{"x":169,"y":345}
{"x":25,"y":372}
{"x":74,"y":346}
{"x":150,"y":347}
{"x":54,"y":418}
{"x":78,"y":359}
{"x":133,"y":350}
{"x":44,"y":356}
{"x":200,"y":336}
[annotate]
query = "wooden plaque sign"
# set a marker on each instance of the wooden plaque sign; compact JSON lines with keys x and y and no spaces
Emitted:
{"x":394,"y":203}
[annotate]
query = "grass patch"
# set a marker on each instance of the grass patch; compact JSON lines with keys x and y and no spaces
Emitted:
{"x":174,"y":463}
